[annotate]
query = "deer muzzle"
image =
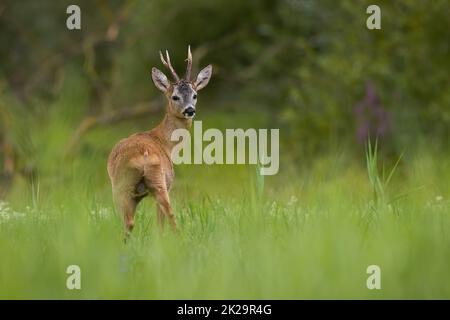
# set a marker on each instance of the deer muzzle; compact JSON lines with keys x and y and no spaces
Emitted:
{"x":189,"y":112}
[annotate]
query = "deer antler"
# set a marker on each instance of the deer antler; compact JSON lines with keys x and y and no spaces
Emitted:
{"x":189,"y":65}
{"x":169,"y":65}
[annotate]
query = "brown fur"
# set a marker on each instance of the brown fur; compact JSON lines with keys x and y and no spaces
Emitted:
{"x":141,"y":165}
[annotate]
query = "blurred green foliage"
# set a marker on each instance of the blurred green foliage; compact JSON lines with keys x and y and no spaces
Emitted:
{"x":308,"y":67}
{"x":302,"y":66}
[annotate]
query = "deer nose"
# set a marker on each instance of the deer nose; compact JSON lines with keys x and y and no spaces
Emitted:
{"x":189,"y":111}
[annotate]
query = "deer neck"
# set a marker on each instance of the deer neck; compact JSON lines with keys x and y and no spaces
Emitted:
{"x":167,"y":126}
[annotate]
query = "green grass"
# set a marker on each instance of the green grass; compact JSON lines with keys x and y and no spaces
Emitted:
{"x":308,"y":236}
{"x":309,"y":232}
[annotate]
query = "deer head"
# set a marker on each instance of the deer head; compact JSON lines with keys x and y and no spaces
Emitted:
{"x":181,"y":93}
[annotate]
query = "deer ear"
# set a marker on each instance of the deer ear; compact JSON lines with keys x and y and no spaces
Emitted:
{"x":160,"y":80}
{"x":203,"y":78}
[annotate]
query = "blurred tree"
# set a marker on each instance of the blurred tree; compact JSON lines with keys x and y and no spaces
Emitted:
{"x":304,"y":62}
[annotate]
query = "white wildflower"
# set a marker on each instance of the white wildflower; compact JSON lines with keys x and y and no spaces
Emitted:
{"x":7,"y":214}
{"x":292,"y":201}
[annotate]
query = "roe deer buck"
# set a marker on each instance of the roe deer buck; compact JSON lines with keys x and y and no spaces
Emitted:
{"x":141,"y":164}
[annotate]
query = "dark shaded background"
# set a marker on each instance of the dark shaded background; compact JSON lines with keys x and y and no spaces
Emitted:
{"x":311,"y":68}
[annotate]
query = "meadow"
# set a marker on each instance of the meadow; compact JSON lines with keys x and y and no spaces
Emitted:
{"x":309,"y":232}
{"x":311,"y":69}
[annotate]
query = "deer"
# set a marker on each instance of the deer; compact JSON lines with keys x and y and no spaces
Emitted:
{"x":141,"y":165}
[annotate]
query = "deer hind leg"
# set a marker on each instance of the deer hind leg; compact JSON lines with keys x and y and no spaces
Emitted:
{"x":161,"y":217}
{"x":156,"y":183}
{"x":164,"y":208}
{"x":126,"y":205}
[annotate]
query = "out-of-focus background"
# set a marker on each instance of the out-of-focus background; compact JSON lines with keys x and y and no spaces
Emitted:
{"x":310,"y":68}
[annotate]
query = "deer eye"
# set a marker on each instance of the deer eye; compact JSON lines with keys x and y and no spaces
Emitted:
{"x":175,"y":98}
{"x":194,"y":97}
